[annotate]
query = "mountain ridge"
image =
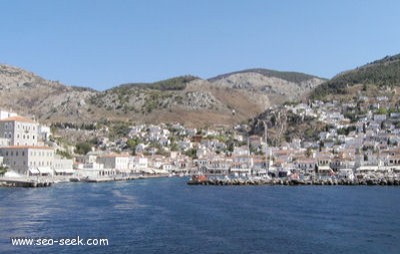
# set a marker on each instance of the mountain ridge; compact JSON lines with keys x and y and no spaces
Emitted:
{"x":230,"y":99}
{"x":382,"y":72}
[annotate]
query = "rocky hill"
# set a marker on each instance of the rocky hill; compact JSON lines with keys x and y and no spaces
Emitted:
{"x":29,"y":94}
{"x":225,"y":99}
{"x":378,"y":78}
{"x":381,"y":73}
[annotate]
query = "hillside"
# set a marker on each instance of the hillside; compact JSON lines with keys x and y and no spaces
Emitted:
{"x":226,"y":99}
{"x":380,"y":73}
{"x":295,"y":77}
{"x":29,"y":94}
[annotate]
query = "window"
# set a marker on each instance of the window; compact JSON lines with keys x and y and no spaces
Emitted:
{"x":23,"y":153}
{"x":12,"y":153}
{"x":33,"y":137}
{"x":16,"y":153}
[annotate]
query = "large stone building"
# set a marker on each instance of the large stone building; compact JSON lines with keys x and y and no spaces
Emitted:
{"x":29,"y":160}
{"x":19,"y":131}
{"x":21,"y":151}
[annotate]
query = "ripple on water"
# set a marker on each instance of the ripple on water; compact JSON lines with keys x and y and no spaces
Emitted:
{"x":168,"y":216}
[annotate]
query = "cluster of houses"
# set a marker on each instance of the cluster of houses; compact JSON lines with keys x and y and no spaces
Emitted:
{"x":365,"y":146}
{"x":109,"y":164}
{"x":347,"y":147}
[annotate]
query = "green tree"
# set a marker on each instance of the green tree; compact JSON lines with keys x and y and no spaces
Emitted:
{"x":132,"y":143}
{"x":381,"y":111}
{"x":191,"y":153}
{"x":83,"y":148}
{"x":174,"y":147}
{"x":3,"y":170}
{"x":64,"y":154}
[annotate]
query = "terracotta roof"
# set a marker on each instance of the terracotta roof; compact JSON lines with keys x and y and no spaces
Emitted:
{"x":17,"y":119}
{"x":28,"y":147}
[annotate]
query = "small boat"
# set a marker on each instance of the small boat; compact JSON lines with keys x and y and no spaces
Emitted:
{"x":197,"y":179}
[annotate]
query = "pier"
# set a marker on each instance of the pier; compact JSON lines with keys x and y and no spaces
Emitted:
{"x":25,"y":182}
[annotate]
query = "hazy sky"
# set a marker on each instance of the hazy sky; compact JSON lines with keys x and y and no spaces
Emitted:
{"x":105,"y":43}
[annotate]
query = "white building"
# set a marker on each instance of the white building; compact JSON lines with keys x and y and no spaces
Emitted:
{"x":140,"y":162}
{"x":62,"y":166}
{"x":29,"y":160}
{"x":115,"y":161}
{"x":44,"y":132}
{"x":6,"y":114}
{"x":19,"y":130}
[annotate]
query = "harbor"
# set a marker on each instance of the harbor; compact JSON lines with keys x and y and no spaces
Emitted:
{"x":39,"y":182}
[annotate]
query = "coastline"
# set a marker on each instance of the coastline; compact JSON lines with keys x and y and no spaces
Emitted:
{"x":295,"y":182}
{"x":33,"y":182}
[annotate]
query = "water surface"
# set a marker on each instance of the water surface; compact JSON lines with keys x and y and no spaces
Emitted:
{"x":168,"y":216}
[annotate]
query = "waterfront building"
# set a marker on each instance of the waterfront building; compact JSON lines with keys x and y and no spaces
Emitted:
{"x":29,"y":160}
{"x":307,"y":165}
{"x":115,"y":161}
{"x":62,"y":166}
{"x":20,"y":131}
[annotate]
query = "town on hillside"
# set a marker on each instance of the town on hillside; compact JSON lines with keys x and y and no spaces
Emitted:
{"x":358,"y":143}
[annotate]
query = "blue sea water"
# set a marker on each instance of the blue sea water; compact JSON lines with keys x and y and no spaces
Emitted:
{"x":168,"y":216}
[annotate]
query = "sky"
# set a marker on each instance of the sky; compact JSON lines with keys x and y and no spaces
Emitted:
{"x":101,"y":44}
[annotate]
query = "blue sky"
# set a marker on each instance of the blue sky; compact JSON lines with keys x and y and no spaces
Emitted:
{"x":101,"y":44}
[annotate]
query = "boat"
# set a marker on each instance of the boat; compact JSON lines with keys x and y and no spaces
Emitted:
{"x":196,"y":179}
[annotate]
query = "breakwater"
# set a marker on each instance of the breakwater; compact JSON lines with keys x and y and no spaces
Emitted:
{"x":288,"y":181}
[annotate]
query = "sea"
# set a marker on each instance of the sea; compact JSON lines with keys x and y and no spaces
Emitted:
{"x":166,"y":215}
